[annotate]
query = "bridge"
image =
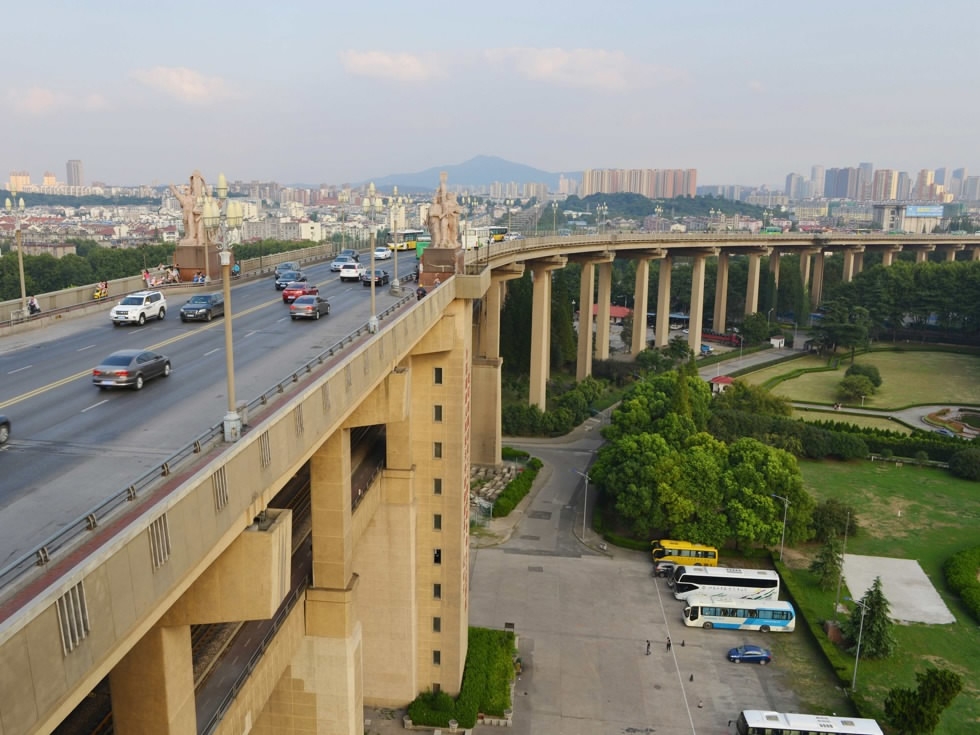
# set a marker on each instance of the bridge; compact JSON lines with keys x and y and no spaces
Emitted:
{"x":381,"y":614}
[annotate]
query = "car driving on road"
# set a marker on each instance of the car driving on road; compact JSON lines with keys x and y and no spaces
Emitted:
{"x":340,"y":261}
{"x":351,"y":271}
{"x":203,"y":307}
{"x":382,"y":253}
{"x":750,"y":655}
{"x":138,"y":307}
{"x":287,"y":277}
{"x":289,"y":265}
{"x":130,"y":369}
{"x":4,"y":429}
{"x":309,"y":307}
{"x":380,"y":277}
{"x":295,"y":290}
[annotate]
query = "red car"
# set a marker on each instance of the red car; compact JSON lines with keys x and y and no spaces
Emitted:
{"x":296,"y":289}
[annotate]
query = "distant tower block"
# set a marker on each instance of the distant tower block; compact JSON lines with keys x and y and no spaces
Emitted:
{"x":76,"y":173}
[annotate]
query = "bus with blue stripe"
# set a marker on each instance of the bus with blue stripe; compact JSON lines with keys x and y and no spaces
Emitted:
{"x":704,"y":611}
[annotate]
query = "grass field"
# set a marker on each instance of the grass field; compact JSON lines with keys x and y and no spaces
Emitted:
{"x":907,"y":378}
{"x":911,"y":513}
{"x":870,"y":422}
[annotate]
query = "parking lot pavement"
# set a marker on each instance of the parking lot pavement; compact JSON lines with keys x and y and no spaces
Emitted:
{"x":583,"y":623}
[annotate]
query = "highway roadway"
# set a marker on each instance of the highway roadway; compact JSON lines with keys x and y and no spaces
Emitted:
{"x":74,"y":445}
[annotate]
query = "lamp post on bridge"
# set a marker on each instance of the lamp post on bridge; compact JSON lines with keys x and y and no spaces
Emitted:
{"x":16,"y":208}
{"x":554,"y":218}
{"x":659,"y":211}
{"x":220,"y":216}
{"x":601,"y":211}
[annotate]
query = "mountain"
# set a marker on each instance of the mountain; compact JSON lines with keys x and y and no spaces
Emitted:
{"x":478,"y":171}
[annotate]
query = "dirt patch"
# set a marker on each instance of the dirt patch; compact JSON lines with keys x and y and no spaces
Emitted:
{"x":885,"y":518}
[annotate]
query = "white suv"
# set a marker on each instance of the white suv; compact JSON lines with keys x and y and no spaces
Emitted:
{"x":351,"y":272}
{"x":138,"y":307}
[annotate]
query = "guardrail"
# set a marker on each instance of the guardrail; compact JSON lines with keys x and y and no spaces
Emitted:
{"x":47,"y":551}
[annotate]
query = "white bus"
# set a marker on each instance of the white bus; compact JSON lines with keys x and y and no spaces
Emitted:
{"x":762,"y":615}
{"x":757,"y":722}
{"x":752,"y":584}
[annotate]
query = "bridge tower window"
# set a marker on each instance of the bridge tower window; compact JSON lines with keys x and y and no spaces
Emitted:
{"x":437,"y":413}
{"x":437,"y":450}
{"x":437,"y":375}
{"x":436,"y":625}
{"x":436,"y":658}
{"x":437,"y":591}
{"x":437,"y":556}
{"x":437,"y":486}
{"x":437,"y":521}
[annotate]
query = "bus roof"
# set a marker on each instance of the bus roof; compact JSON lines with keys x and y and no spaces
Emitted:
{"x":816,"y":723}
{"x":671,"y":543}
{"x":411,"y":232}
{"x":717,"y":601}
{"x":729,"y":572}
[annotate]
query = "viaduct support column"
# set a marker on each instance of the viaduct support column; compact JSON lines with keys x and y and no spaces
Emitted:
{"x":975,"y":253}
{"x":541,"y":330}
{"x":721,"y":294}
{"x":805,"y":269}
{"x":888,"y":256}
{"x":583,"y":360}
{"x":153,"y":686}
{"x":662,"y":336}
{"x":816,"y":292}
{"x":774,"y":266}
{"x":697,"y":301}
{"x":847,"y":274}
{"x":922,"y":255}
{"x":752,"y":288}
{"x":602,"y":318}
{"x":641,"y":302}
{"x":858,"y":261}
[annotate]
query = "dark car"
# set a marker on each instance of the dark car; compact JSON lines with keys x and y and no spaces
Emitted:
{"x":287,"y":266}
{"x":750,"y":655}
{"x":130,"y":368}
{"x":287,"y":277}
{"x":349,"y":253}
{"x":380,"y":277}
{"x":309,"y":307}
{"x":296,"y":289}
{"x":4,"y":429}
{"x":204,"y":306}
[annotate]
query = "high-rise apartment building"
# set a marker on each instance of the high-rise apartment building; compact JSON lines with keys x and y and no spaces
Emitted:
{"x":863,"y":183}
{"x":904,"y":191}
{"x":794,"y":186}
{"x":816,"y":181}
{"x":884,"y":186}
{"x":956,"y":182}
{"x":652,"y":183}
{"x":76,"y":173}
{"x":924,"y":184}
{"x":939,"y":176}
{"x":19,"y":181}
{"x":49,"y":179}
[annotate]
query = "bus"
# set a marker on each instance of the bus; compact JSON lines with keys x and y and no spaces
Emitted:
{"x":743,"y":584}
{"x":407,"y":239}
{"x":684,"y":552}
{"x":703,"y":611}
{"x":497,"y":234}
{"x":757,"y":722}
{"x":421,"y":244}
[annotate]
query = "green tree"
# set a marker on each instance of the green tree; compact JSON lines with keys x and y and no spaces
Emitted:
{"x":755,"y":399}
{"x":854,"y":387}
{"x":755,"y":329}
{"x":918,"y":711}
{"x":515,"y":326}
{"x":869,"y":371}
{"x":828,"y":564}
{"x":834,"y":519}
{"x":877,"y":640}
{"x":966,"y":464}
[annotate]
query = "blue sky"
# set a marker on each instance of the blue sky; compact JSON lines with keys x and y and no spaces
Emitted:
{"x":313,"y":92}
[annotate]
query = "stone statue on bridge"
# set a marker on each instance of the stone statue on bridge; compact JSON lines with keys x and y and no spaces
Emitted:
{"x":443,"y":218}
{"x":191,"y":198}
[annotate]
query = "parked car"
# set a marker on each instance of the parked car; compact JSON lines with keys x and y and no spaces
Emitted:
{"x":309,"y":307}
{"x":664,"y":569}
{"x":750,"y":655}
{"x":380,"y":277}
{"x":297,"y":289}
{"x":350,"y":253}
{"x":138,"y":307}
{"x":340,"y":261}
{"x":130,"y":368}
{"x":287,"y":277}
{"x":382,"y":254}
{"x":289,"y":265}
{"x":204,"y":306}
{"x":4,"y":429}
{"x":351,"y":271}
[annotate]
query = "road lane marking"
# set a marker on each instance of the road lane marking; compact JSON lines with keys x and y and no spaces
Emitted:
{"x":82,"y":349}
{"x":95,"y":406}
{"x":26,"y":367}
{"x":211,"y":352}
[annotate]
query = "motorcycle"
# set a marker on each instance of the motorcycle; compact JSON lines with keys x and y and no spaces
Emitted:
{"x":33,"y":308}
{"x":100,"y":293}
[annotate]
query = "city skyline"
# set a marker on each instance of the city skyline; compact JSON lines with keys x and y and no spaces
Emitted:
{"x":312,"y":94}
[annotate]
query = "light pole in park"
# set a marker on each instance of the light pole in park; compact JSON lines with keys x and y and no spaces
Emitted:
{"x":782,"y":539}
{"x":554,"y":218}
{"x":219,"y":217}
{"x":857,"y":653}
{"x":585,"y":500}
{"x":16,"y":208}
{"x":769,"y":314}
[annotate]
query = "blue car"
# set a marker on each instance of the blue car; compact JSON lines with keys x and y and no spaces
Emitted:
{"x":750,"y":655}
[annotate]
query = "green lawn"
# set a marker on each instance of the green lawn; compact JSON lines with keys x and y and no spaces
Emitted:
{"x":871,"y":422}
{"x":907,"y":378}
{"x":912,"y":513}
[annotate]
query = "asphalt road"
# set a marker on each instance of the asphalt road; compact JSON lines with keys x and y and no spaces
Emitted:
{"x":74,"y":445}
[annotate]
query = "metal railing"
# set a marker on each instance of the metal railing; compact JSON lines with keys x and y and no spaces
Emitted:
{"x":68,"y":536}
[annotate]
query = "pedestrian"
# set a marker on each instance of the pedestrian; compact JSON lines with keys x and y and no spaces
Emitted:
{"x":648,"y":648}
{"x":668,"y":644}
{"x":435,"y":283}
{"x":420,"y":293}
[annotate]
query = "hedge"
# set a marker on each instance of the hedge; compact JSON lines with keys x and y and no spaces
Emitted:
{"x":509,"y":454}
{"x":486,"y":684}
{"x":961,"y":576}
{"x":516,"y":489}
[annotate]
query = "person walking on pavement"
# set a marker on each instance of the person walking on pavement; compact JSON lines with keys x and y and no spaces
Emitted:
{"x":668,"y":644}
{"x":648,"y":648}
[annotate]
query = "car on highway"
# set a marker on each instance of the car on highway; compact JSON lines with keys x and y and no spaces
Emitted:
{"x":289,"y":265}
{"x":309,"y":307}
{"x":340,"y":261}
{"x":138,"y":307}
{"x":350,"y":253}
{"x":203,"y":307}
{"x":382,"y":254}
{"x":4,"y":429}
{"x":351,"y":271}
{"x":380,"y":277}
{"x":297,"y":289}
{"x":747,"y":654}
{"x":130,"y":369}
{"x":287,"y":277}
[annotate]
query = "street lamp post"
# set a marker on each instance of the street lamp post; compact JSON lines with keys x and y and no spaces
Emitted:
{"x":585,"y":500}
{"x":857,"y":653}
{"x":395,"y":211}
{"x":217,"y":223}
{"x":554,"y":218}
{"x":659,"y":211}
{"x":601,"y":211}
{"x":782,"y":539}
{"x":769,"y":314}
{"x":16,"y":208}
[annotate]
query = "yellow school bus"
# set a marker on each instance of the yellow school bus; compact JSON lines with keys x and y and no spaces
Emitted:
{"x":684,"y":552}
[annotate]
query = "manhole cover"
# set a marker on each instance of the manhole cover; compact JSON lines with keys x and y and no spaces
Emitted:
{"x":531,"y":538}
{"x":540,"y":515}
{"x":535,"y":569}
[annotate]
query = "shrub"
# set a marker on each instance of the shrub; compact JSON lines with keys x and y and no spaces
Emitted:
{"x":854,"y":387}
{"x":832,"y":518}
{"x":509,"y":454}
{"x":516,"y":489}
{"x":966,"y":464}
{"x":961,"y":576}
{"x":868,"y":371}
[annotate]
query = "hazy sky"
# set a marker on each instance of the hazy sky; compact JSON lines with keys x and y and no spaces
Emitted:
{"x":328,"y":91}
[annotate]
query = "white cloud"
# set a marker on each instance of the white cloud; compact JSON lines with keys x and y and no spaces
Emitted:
{"x":611,"y":71}
{"x":383,"y":65}
{"x":37,"y":100}
{"x":183,"y":84}
{"x":756,"y":86}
